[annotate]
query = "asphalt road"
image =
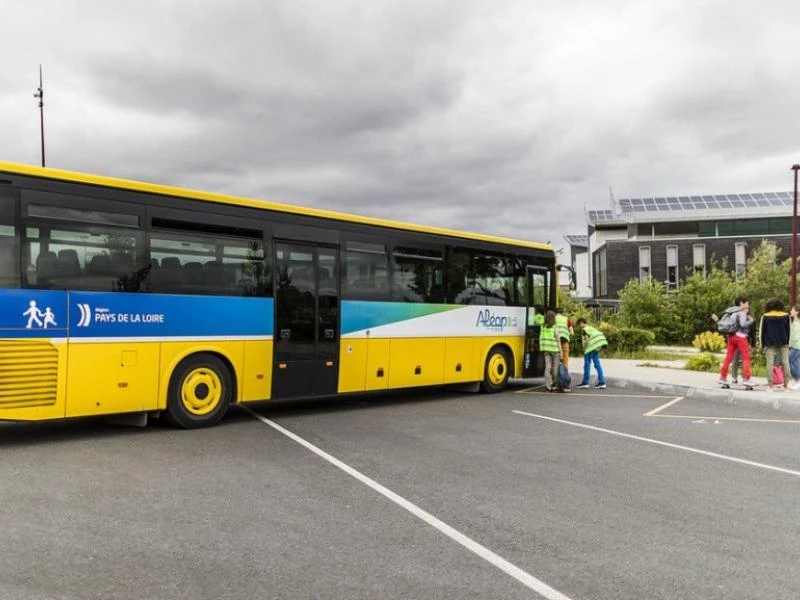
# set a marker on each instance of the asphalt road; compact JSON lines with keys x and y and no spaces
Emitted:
{"x":422,"y":495}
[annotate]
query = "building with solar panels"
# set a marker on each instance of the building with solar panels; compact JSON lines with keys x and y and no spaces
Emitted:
{"x":667,"y":238}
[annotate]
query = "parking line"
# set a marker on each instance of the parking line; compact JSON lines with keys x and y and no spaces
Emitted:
{"x":595,"y":394}
{"x":508,"y":568}
{"x":655,"y":411}
{"x":528,"y":390}
{"x":638,"y":438}
{"x":750,"y":419}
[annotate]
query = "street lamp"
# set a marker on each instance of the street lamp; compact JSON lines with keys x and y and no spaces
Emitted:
{"x":793,"y":291}
{"x":40,"y":95}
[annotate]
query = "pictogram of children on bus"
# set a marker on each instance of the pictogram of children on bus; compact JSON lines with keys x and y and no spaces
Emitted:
{"x":35,"y":315}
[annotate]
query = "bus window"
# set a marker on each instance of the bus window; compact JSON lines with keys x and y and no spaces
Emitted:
{"x":366,"y":272}
{"x":69,"y":248}
{"x":417,"y":275}
{"x":496,"y":276}
{"x":9,"y":259}
{"x":191,"y":262}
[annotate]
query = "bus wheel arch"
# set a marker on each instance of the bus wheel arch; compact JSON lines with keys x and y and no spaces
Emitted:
{"x":201,"y":388}
{"x":498,"y":367}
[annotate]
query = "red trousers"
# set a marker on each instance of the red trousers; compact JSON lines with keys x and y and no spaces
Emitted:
{"x":736,"y":342}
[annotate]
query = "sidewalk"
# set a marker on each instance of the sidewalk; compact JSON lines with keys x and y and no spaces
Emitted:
{"x":669,"y":377}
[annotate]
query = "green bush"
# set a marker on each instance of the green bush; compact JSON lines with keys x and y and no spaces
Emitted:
{"x":703,"y":362}
{"x":626,"y":339}
{"x":646,"y":305}
{"x":709,"y":341}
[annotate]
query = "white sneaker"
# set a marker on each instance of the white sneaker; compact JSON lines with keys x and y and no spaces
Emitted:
{"x":795,"y":385}
{"x":722,"y":381}
{"x":748,"y":382}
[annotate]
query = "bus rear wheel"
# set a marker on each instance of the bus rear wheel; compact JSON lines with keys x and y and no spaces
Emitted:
{"x":496,"y":371}
{"x":200,"y":392}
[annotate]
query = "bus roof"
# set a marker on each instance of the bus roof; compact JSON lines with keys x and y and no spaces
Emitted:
{"x":164,"y":190}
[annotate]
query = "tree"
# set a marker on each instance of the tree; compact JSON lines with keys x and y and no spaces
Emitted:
{"x":646,"y":305}
{"x":702,"y":295}
{"x":766,"y":277}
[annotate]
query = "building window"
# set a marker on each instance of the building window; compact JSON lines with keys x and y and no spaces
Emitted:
{"x":699,"y":258}
{"x":672,"y":268}
{"x":741,"y":260}
{"x":600,"y":273}
{"x":644,"y":262}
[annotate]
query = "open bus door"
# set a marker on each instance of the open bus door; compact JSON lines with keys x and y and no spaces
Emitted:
{"x":537,"y":287}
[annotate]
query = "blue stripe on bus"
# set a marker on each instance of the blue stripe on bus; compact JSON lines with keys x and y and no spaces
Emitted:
{"x":45,"y":313}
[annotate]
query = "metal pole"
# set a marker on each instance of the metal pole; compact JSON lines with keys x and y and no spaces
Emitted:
{"x":793,"y":291}
{"x":40,"y":95}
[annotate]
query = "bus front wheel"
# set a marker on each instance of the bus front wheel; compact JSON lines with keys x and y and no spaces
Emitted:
{"x":496,"y":371}
{"x":200,"y":392}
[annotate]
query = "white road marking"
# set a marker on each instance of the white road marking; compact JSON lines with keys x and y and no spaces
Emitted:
{"x":508,"y":568}
{"x":655,"y":411}
{"x":733,"y":459}
{"x":531,"y":392}
{"x":746,"y":419}
{"x":536,"y":387}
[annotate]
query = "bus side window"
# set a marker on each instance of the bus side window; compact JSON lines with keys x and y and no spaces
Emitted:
{"x":417,"y":275}
{"x":9,"y":257}
{"x":366,"y":272}
{"x":218,"y":261}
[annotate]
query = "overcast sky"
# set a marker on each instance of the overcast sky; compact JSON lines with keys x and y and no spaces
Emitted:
{"x":502,"y":117}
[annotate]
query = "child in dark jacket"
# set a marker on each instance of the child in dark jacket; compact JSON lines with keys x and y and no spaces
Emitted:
{"x":774,"y":333}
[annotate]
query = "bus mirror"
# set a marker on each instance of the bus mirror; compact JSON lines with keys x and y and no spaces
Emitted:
{"x":572,"y":284}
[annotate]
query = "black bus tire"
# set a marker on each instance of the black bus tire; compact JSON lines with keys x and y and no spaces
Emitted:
{"x":496,"y":371}
{"x":200,"y":392}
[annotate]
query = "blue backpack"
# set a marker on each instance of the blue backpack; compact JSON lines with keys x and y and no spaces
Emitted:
{"x":563,"y":379}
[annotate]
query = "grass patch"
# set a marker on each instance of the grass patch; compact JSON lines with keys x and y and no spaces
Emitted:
{"x":649,"y":355}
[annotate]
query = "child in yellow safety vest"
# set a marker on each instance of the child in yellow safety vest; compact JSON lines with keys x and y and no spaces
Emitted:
{"x":593,"y":342}
{"x":563,"y":331}
{"x":551,"y":349}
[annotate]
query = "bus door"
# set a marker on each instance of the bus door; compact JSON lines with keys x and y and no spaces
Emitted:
{"x":306,"y":347}
{"x":537,"y":286}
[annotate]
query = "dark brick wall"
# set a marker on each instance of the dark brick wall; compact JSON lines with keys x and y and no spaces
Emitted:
{"x":622,"y":256}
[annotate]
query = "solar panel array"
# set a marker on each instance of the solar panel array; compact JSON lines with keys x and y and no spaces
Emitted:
{"x":597,"y":216}
{"x":711,"y":202}
{"x":574,"y":239}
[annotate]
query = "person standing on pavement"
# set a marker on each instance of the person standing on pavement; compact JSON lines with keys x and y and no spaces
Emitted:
{"x":736,"y":364}
{"x":774,"y":333}
{"x":548,"y":345}
{"x":593,"y":342}
{"x":564,"y":331}
{"x":738,"y":340}
{"x":794,"y":348}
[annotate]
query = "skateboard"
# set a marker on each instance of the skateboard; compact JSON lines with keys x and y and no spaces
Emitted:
{"x":727,"y":386}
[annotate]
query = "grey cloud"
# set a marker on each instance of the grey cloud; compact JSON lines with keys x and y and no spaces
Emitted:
{"x":503,"y":118}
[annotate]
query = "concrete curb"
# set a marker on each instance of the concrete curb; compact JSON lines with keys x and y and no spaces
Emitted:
{"x":779,"y":401}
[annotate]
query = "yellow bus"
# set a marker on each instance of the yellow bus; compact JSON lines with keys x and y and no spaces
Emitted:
{"x":118,"y":297}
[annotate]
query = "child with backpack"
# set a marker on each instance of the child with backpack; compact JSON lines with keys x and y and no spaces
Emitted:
{"x":736,"y":322}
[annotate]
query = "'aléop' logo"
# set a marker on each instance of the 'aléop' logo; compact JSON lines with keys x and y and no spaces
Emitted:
{"x":493,"y":322}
